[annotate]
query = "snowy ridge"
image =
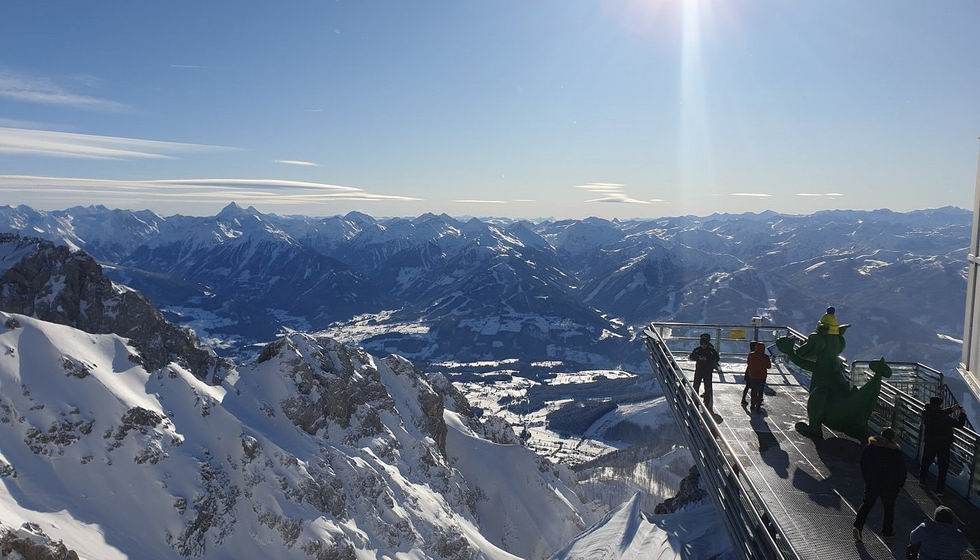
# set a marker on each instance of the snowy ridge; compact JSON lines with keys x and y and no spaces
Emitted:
{"x":318,"y":451}
{"x":627,"y":533}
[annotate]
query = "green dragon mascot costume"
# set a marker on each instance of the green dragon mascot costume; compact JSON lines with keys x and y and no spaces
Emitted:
{"x":833,"y":402}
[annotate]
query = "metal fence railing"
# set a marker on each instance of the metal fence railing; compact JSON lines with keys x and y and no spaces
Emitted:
{"x":729,"y":340}
{"x":754,"y":531}
{"x":912,"y":378}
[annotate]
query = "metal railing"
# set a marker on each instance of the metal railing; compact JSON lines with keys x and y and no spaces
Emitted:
{"x":912,"y":378}
{"x":728,"y":339}
{"x":754,"y":531}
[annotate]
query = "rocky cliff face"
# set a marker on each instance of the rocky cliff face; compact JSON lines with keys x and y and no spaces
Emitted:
{"x":689,"y":493}
{"x":56,"y":284}
{"x":29,"y":542}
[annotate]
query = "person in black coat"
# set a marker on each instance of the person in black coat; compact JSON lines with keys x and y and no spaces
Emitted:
{"x":883,"y":469}
{"x":706,"y":360}
{"x":938,"y":425}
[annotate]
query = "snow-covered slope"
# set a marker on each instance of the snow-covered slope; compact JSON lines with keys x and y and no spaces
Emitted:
{"x":522,"y":508}
{"x":318,"y":451}
{"x":629,"y":534}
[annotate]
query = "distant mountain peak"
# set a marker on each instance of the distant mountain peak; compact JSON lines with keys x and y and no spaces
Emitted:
{"x":359,"y":218}
{"x":233,"y":210}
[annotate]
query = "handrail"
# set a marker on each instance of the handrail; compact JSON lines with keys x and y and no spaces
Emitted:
{"x":754,"y":532}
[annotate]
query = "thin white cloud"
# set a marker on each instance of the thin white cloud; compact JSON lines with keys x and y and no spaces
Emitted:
{"x":820,"y":195}
{"x":612,"y":193}
{"x":619,"y":199}
{"x":601,"y":187}
{"x":22,"y":123}
{"x":296,"y":162}
{"x":523,"y":200}
{"x":656,"y":200}
{"x":750,"y":194}
{"x":479,"y":201}
{"x":25,"y":141}
{"x":252,"y":191}
{"x":31,"y":89}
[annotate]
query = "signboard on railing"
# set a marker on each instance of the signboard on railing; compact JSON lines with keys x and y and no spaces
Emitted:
{"x":736,"y":334}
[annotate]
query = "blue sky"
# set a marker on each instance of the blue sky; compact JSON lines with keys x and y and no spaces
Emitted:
{"x":546,"y":108}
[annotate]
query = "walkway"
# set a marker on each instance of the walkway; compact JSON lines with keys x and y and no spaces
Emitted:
{"x":813,"y":489}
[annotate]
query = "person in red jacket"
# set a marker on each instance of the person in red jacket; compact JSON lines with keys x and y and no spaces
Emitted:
{"x":756,"y":370}
{"x":745,"y":391}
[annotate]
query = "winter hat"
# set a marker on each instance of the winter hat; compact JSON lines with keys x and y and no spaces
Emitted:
{"x":943,"y":515}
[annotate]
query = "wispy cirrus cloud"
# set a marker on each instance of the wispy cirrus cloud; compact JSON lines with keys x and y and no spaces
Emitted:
{"x":820,"y":195}
{"x":750,"y":195}
{"x":27,"y":141}
{"x":491,"y":201}
{"x":296,"y":162}
{"x":613,"y":193}
{"x":23,"y":123}
{"x":251,"y":191}
{"x":33,"y":89}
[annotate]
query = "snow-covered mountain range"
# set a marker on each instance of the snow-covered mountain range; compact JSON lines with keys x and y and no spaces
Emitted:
{"x":437,"y":288}
{"x":351,"y":387}
{"x":122,"y":437}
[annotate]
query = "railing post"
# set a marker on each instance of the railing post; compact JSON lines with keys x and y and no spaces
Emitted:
{"x":894,"y":422}
{"x":973,"y":468}
{"x":919,"y":443}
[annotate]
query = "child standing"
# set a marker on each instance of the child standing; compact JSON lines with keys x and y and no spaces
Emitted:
{"x":756,"y":370}
{"x":829,"y":319}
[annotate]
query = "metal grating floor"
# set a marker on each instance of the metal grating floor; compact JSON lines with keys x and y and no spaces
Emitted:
{"x":814,"y":489}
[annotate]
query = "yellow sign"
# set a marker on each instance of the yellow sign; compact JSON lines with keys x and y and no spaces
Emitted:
{"x":737,"y":334}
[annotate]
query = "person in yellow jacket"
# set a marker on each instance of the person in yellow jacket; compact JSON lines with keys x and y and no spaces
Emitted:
{"x":830,"y":319}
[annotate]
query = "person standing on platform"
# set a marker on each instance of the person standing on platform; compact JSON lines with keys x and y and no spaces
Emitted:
{"x":757,"y":369}
{"x":706,"y":360}
{"x":883,"y":469}
{"x":938,"y":425}
{"x":745,"y":391}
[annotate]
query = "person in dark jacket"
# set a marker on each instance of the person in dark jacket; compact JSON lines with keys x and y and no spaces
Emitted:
{"x":883,"y":470}
{"x":938,"y":425}
{"x":706,"y":361}
{"x":937,"y":538}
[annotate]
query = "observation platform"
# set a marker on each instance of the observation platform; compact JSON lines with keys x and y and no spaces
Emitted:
{"x":784,"y":495}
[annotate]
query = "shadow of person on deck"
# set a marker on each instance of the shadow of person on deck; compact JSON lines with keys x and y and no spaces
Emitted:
{"x":769,"y":449}
{"x":842,"y":458}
